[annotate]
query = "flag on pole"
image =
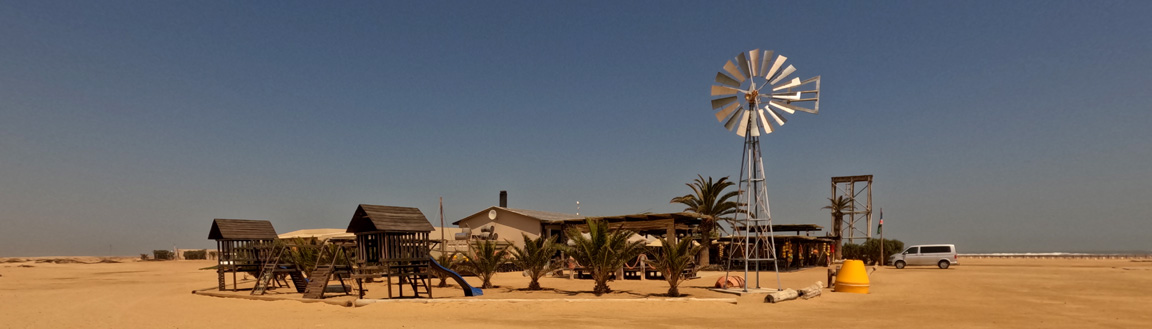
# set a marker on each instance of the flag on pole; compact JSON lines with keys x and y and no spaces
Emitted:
{"x":880,"y":229}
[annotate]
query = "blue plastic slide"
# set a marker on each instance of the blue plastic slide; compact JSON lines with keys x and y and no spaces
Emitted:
{"x":468,"y":289}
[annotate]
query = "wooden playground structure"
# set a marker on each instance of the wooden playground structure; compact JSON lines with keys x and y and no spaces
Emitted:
{"x":247,"y":246}
{"x":390,"y":243}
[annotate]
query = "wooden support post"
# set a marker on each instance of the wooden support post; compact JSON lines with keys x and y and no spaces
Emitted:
{"x":643,"y":267}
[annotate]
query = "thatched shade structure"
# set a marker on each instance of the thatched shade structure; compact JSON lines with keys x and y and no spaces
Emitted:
{"x":236,"y":241}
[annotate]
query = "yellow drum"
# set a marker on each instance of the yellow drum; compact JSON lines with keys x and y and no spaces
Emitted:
{"x":852,"y":278}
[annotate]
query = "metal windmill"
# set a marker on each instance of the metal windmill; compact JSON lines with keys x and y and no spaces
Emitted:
{"x":767,"y":93}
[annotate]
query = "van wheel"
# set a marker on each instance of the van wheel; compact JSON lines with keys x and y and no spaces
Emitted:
{"x":943,"y":264}
{"x":900,"y":264}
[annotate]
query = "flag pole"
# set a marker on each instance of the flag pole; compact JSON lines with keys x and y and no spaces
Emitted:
{"x":883,"y":256}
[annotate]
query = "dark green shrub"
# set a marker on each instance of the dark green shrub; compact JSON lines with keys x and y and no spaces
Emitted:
{"x":872,"y":250}
{"x":143,"y":256}
{"x":196,"y":254}
{"x":852,"y":251}
{"x":163,"y":254}
{"x":869,"y":252}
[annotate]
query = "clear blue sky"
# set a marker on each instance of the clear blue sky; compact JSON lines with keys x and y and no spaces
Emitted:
{"x":998,"y":126}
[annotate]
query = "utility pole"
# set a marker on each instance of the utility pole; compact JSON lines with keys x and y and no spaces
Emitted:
{"x":443,"y":242}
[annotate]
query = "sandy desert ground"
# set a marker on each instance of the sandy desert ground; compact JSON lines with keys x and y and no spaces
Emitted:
{"x":980,"y":293}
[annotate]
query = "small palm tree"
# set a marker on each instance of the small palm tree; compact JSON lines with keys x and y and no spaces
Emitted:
{"x":536,"y":258}
{"x":672,"y":261}
{"x":837,"y":206}
{"x":708,"y":199}
{"x":304,"y":253}
{"x":603,"y":251}
{"x":448,"y":260}
{"x":484,"y":259}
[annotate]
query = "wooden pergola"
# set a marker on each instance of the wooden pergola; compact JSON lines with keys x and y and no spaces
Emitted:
{"x":799,"y":250}
{"x":237,"y":243}
{"x":667,"y":224}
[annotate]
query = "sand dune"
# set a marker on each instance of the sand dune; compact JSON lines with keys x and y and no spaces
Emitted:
{"x":1049,"y":293}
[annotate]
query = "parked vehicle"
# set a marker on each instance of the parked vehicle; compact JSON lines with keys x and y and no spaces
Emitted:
{"x":942,"y":255}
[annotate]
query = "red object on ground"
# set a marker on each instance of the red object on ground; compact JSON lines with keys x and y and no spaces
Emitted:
{"x":730,"y":282}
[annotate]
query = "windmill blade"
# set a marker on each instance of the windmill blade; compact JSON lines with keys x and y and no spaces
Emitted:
{"x":755,"y":129}
{"x":816,"y":100}
{"x":733,"y":71}
{"x":726,"y":111}
{"x":717,"y":103}
{"x":732,"y":120}
{"x":723,"y":90}
{"x":754,"y":61}
{"x":790,"y":84}
{"x":782,"y":106}
{"x":783,"y":74}
{"x":815,"y":79}
{"x":727,"y":81}
{"x":788,"y":96}
{"x":780,"y":120}
{"x":742,"y":60}
{"x":743,"y":123}
{"x":776,"y":66}
{"x":764,"y":122}
{"x":790,"y":108}
{"x":764,"y":61}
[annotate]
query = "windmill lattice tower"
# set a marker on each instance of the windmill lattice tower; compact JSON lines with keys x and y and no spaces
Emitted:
{"x":758,"y":110}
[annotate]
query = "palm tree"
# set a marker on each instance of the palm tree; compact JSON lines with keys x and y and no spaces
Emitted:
{"x":603,"y":251}
{"x":448,"y":260}
{"x":536,"y":258}
{"x":837,"y":206}
{"x":675,"y":258}
{"x":304,"y":253}
{"x":708,"y":199}
{"x":484,"y":259}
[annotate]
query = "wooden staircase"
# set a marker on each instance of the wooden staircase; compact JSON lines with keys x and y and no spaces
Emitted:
{"x":268,"y":270}
{"x":319,"y":282}
{"x":299,"y":281}
{"x":325,"y":268}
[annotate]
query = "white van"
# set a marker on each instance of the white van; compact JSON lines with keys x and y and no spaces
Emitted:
{"x":942,"y":255}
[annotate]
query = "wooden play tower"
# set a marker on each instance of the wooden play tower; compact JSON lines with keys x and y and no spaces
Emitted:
{"x":241,"y":244}
{"x":392,"y":242}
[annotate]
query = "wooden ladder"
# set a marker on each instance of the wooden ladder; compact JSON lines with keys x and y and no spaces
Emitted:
{"x":298,"y":280}
{"x":268,"y":270}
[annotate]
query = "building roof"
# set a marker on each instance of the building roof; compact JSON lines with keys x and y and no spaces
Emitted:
{"x":241,"y":229}
{"x":372,"y":218}
{"x":543,"y":216}
{"x":646,"y":222}
{"x":787,"y":227}
{"x":778,"y":237}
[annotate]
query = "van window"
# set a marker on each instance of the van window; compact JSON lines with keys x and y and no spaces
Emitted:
{"x":913,"y":250}
{"x":936,"y":249}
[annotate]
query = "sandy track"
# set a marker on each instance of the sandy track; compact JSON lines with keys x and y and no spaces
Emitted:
{"x":980,"y":293}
